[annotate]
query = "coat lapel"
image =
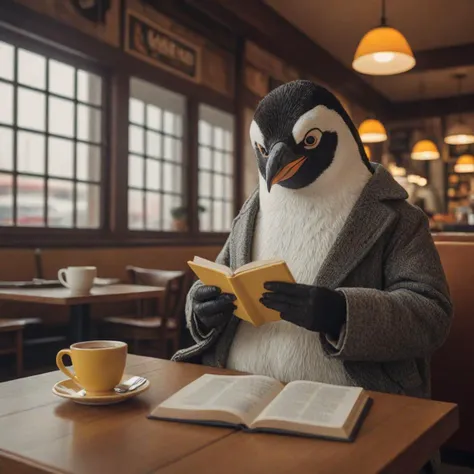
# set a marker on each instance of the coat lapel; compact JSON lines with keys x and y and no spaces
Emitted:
{"x":369,"y":219}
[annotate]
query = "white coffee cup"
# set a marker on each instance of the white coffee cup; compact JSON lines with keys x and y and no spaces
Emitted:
{"x":78,"y":279}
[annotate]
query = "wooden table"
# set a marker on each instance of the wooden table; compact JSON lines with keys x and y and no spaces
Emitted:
{"x":79,"y":315}
{"x":40,"y":433}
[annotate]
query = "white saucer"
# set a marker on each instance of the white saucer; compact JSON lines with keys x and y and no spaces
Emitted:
{"x":70,"y":390}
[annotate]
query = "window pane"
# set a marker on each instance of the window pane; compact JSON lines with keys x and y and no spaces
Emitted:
{"x":228,"y":141}
{"x":88,"y":124}
{"x":205,"y":158}
{"x":135,"y":139}
{"x":169,"y":204}
{"x":135,"y":171}
{"x":169,"y":149}
{"x":61,"y":78}
{"x":31,"y":147}
{"x":178,"y":183}
{"x":204,"y":133}
{"x":153,"y":211}
{"x":60,"y":203}
{"x":169,"y":183}
{"x":31,"y":109}
{"x":218,"y":217}
{"x":179,"y":125}
{"x":169,"y":123}
{"x":88,"y":162}
{"x":6,"y":148}
{"x":6,"y":199}
{"x":60,"y":161}
{"x":205,"y":215}
{"x":137,"y":111}
{"x":229,"y":163}
{"x":6,"y":99}
{"x":6,"y":61}
{"x":89,"y":88}
{"x":61,"y":117}
{"x":135,"y":209}
{"x":31,"y":69}
{"x":30,"y":201}
{"x":218,"y":138}
{"x":153,"y":117}
{"x":219,"y":186}
{"x":229,"y":188}
{"x":153,"y":174}
{"x":204,"y":183}
{"x":88,"y":205}
{"x":219,"y":161}
{"x":153,"y":144}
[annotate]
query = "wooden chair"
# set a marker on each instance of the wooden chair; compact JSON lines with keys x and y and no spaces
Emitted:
{"x":159,"y":331}
{"x":11,"y":340}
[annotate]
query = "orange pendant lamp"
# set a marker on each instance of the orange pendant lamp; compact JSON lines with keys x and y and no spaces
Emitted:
{"x":464,"y":164}
{"x":372,"y":131}
{"x":383,"y":51}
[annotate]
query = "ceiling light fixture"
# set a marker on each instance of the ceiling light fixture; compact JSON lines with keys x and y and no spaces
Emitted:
{"x":372,"y":131}
{"x":383,"y":51}
{"x":464,"y":164}
{"x":460,"y":133}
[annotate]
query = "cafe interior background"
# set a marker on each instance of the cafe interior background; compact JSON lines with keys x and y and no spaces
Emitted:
{"x":124,"y":134}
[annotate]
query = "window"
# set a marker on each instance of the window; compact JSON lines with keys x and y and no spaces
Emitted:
{"x":51,"y":142}
{"x":155,"y":168}
{"x":216,"y":170}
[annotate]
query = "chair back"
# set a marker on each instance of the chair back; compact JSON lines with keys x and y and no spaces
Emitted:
{"x":174,"y":283}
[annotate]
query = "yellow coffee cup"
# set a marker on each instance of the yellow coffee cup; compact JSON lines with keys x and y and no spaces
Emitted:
{"x":98,"y":365}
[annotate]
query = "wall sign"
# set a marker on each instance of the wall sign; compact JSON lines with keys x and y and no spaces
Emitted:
{"x":150,"y":42}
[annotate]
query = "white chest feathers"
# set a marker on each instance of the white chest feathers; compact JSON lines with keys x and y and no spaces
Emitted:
{"x":301,"y":230}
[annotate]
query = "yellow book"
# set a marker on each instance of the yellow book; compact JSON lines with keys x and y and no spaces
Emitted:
{"x":246,"y":283}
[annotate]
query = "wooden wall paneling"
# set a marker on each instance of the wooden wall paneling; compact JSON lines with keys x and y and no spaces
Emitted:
{"x":453,"y":364}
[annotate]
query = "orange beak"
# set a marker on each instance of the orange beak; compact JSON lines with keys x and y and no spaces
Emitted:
{"x":289,"y":170}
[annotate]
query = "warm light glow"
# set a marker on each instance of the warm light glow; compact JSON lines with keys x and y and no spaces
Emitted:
{"x":383,"y":51}
{"x":397,"y":171}
{"x":372,"y":131}
{"x":367,"y":152}
{"x":384,"y":57}
{"x":459,"y":134}
{"x":425,"y":150}
{"x":415,"y":179}
{"x":464,"y":164}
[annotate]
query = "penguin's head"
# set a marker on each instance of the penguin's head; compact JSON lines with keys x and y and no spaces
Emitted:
{"x":300,"y":131}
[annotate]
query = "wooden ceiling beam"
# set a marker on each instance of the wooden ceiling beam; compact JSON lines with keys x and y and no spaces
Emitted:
{"x":259,"y":23}
{"x":444,"y":58}
{"x":432,"y":107}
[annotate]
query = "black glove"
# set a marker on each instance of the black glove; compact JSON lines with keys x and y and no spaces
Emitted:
{"x":213,"y":308}
{"x":311,"y":307}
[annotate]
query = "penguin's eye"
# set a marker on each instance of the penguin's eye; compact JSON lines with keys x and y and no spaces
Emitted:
{"x":312,"y":139}
{"x":263,"y":151}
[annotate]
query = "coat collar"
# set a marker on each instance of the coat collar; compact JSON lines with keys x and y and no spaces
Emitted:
{"x":367,"y":222}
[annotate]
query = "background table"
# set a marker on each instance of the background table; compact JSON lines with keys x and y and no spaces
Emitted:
{"x":79,"y":313}
{"x":40,"y":433}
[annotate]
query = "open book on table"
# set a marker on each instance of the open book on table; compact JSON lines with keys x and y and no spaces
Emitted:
{"x":258,"y":403}
{"x":246,"y":283}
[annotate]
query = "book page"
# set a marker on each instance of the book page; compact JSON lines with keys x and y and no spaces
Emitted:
{"x":209,"y":264}
{"x":256,"y":264}
{"x":242,"y":395}
{"x":313,"y":403}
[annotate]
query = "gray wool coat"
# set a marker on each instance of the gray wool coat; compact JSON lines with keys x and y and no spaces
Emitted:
{"x":386,"y":264}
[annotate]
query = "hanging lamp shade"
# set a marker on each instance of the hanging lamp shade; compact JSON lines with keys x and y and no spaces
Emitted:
{"x":464,"y":164}
{"x":383,"y":51}
{"x":459,"y":134}
{"x":367,"y":152}
{"x":372,"y":131}
{"x":425,"y":150}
